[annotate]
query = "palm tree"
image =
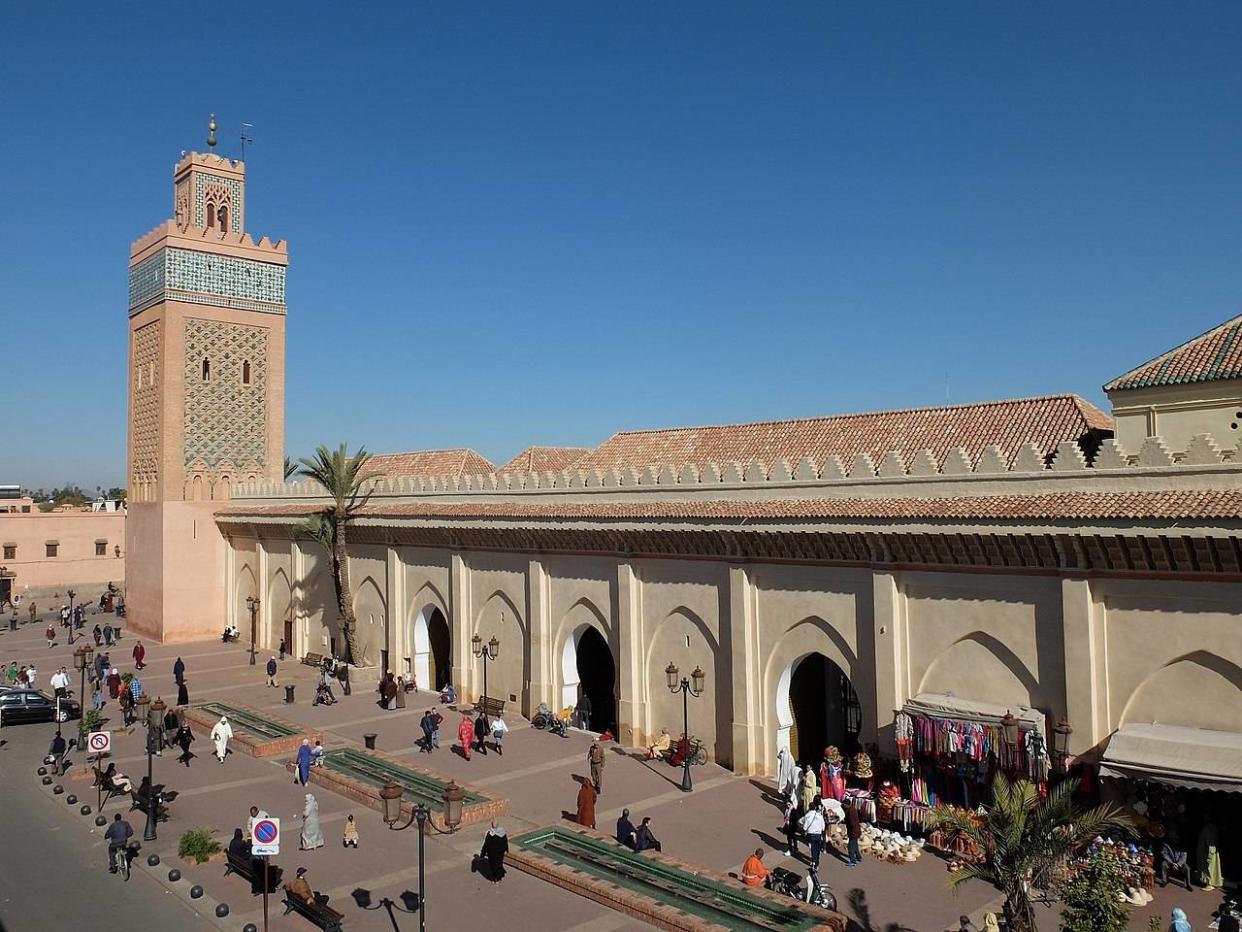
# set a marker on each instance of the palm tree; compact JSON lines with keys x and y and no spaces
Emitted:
{"x":1024,"y":838}
{"x":290,"y":468}
{"x":343,"y":479}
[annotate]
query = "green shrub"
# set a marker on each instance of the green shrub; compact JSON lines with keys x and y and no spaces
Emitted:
{"x":197,"y":845}
{"x":1092,"y":897}
{"x":1154,"y":924}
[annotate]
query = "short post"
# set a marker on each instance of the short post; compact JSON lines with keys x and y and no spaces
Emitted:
{"x":266,"y":884}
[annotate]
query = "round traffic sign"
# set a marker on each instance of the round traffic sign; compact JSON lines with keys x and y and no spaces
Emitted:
{"x":265,"y":831}
{"x":99,"y":741}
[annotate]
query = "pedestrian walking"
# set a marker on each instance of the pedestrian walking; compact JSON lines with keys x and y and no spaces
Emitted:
{"x":499,"y":730}
{"x":495,"y":847}
{"x":34,"y":613}
{"x":271,"y":669}
{"x":135,"y":687}
{"x":178,"y":671}
{"x":304,"y":762}
{"x":51,"y":635}
{"x":481,"y":731}
{"x":312,"y":833}
{"x":853,"y":831}
{"x":595,"y":758}
{"x":31,"y":674}
{"x":107,"y":634}
{"x":813,"y":826}
{"x":139,"y":654}
{"x":789,"y":826}
{"x":60,"y":683}
{"x":97,"y":634}
{"x":436,"y":721}
{"x":282,"y":650}
{"x":114,"y":683}
{"x":465,"y":734}
{"x":809,"y":788}
{"x":183,"y":694}
{"x":221,"y":734}
{"x":586,"y":803}
{"x":584,"y":712}
{"x":427,"y":724}
{"x":786,"y":773}
{"x":184,"y":739}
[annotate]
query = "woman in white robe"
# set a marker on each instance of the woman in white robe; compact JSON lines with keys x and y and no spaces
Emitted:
{"x":786,"y":773}
{"x":312,"y":834}
{"x":220,"y":735}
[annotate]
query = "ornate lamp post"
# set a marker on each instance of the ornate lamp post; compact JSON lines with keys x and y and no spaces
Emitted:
{"x":486,"y":651}
{"x":72,"y":621}
{"x":153,"y":712}
{"x":391,"y":794}
{"x":253,"y":604}
{"x":81,"y":662}
{"x":679,"y":684}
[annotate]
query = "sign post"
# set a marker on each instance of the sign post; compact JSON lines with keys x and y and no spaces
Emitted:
{"x":99,"y":743}
{"x":265,"y":841}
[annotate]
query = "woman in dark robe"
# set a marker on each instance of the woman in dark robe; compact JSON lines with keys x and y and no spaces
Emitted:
{"x":586,"y":804}
{"x":495,"y":847}
{"x":184,"y":738}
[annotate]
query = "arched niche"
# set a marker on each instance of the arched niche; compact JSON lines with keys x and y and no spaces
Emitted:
{"x":979,"y":666}
{"x":1199,"y":690}
{"x":682,"y":638}
{"x":371,"y":614}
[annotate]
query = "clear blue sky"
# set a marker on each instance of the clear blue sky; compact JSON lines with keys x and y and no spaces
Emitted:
{"x":543,"y":222}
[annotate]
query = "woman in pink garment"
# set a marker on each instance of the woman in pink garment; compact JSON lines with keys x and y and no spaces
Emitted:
{"x":832,"y":780}
{"x":465,"y":734}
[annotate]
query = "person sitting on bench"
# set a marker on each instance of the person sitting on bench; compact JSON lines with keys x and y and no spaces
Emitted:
{"x":230,"y":634}
{"x":300,"y":889}
{"x":661,"y":745}
{"x":1173,"y":860}
{"x":448,"y":695}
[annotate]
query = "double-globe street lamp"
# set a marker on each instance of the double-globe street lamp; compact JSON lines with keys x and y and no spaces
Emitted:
{"x":687,"y":688}
{"x":151,"y":712}
{"x":253,"y":604}
{"x":390,"y":795}
{"x":486,"y":651}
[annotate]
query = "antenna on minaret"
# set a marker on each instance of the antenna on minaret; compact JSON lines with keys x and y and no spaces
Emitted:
{"x":245,"y":139}
{"x":211,"y":132}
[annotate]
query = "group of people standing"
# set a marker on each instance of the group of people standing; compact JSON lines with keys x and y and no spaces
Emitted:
{"x":473,"y":735}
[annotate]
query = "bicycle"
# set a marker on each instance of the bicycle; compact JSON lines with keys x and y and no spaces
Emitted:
{"x":120,"y":858}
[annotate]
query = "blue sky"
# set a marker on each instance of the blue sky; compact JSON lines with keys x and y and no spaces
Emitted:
{"x":523,"y":223}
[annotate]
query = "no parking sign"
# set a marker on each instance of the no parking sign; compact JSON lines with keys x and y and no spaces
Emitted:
{"x":266,"y":837}
{"x":99,"y":742}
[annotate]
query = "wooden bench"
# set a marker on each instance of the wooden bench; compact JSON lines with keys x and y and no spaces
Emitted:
{"x":321,"y":914}
{"x":142,"y":805}
{"x":489,"y":706}
{"x":313,"y":660}
{"x":248,"y":870}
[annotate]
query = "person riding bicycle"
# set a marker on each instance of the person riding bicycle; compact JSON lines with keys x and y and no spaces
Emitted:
{"x":118,"y":835}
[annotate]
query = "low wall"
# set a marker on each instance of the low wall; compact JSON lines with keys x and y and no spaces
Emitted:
{"x":253,"y":745}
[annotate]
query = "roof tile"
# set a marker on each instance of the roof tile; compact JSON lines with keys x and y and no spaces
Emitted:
{"x":458,"y":462}
{"x":1209,"y":357}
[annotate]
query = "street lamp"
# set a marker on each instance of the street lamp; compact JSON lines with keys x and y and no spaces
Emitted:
{"x":154,"y":712}
{"x":486,"y":652}
{"x":253,"y":604}
{"x":82,"y":662}
{"x":679,"y":684}
{"x":72,"y":596}
{"x":390,"y":795}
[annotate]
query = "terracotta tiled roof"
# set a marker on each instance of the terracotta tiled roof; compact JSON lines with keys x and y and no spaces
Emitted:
{"x":1070,"y":506}
{"x":461,"y":462}
{"x":1209,"y":357}
{"x":543,"y":459}
{"x":1045,"y":421}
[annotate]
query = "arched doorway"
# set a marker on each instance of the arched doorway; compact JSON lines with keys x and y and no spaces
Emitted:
{"x":431,"y":660}
{"x":587,"y":668}
{"x":818,"y":702}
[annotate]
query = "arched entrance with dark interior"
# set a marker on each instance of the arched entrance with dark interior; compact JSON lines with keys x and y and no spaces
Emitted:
{"x":431,"y":661}
{"x":587,"y":668}
{"x":823,"y":708}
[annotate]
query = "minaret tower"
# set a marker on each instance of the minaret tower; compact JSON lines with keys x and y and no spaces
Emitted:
{"x":206,"y":392}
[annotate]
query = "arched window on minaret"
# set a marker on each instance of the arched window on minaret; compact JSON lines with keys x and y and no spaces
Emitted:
{"x":222,"y":215}
{"x":206,"y":370}
{"x":246,"y":372}
{"x":211,"y":215}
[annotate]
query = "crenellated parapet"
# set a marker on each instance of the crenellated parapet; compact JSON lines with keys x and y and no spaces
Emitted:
{"x":201,"y":237}
{"x":899,"y":472}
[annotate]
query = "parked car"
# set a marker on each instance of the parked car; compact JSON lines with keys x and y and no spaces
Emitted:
{"x":20,"y":706}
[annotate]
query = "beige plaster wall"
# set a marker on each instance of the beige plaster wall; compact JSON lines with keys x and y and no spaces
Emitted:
{"x":75,"y":564}
{"x":498,"y":598}
{"x":1177,"y":412}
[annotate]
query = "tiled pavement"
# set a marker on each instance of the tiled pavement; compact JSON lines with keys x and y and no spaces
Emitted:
{"x":716,"y":826}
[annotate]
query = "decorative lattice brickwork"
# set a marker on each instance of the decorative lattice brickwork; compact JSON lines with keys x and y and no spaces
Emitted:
{"x":145,"y":381}
{"x":225,"y":419}
{"x":206,"y":184}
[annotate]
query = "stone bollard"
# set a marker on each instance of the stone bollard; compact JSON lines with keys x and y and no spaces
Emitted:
{"x":289,"y":695}
{"x":369,"y":740}
{"x":153,"y":860}
{"x":174,"y":875}
{"x":196,"y":892}
{"x":222,"y":910}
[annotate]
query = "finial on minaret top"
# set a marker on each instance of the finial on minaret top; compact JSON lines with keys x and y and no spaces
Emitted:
{"x":211,"y":132}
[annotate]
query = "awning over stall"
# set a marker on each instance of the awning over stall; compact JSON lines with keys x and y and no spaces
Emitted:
{"x":943,"y":705}
{"x":1189,"y":757}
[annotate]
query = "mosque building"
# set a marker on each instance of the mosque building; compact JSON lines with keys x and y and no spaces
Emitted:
{"x":1030,"y":557}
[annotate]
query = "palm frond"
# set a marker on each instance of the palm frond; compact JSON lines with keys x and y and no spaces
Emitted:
{"x":319,"y":528}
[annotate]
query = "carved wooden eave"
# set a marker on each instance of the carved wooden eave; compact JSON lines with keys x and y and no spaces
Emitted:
{"x":1161,"y":548}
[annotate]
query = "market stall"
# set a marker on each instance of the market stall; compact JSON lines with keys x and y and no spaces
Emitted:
{"x":949,"y":748}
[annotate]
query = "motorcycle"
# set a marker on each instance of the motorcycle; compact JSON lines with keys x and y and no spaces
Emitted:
{"x":787,"y":883}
